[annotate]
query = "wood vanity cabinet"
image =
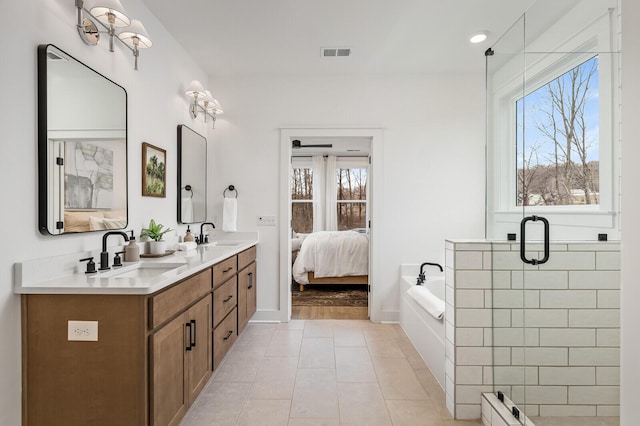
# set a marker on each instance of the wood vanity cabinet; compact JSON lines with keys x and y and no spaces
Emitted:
{"x":246,"y":287}
{"x":181,"y":349}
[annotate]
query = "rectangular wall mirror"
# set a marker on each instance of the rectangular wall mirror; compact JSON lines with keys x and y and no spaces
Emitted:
{"x":192,"y":176}
{"x":82,"y":147}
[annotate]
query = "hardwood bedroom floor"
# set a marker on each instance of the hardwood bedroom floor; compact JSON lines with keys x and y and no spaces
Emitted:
{"x":329,"y":312}
{"x":322,"y":372}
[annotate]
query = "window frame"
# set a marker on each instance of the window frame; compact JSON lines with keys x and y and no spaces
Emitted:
{"x":354,"y":163}
{"x":536,"y":70}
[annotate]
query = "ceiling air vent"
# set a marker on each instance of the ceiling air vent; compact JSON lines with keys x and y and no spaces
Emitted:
{"x":333,"y":52}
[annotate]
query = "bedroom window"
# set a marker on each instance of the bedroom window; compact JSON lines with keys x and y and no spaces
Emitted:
{"x":352,"y":198}
{"x":302,"y":199}
{"x":557,"y":138}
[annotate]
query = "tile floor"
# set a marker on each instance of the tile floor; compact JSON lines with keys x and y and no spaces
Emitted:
{"x":322,"y":372}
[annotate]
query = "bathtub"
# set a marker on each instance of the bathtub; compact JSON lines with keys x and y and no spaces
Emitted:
{"x":425,"y":332}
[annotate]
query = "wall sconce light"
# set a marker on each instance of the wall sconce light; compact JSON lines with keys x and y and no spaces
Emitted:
{"x":111,"y":15}
{"x":203,"y":101}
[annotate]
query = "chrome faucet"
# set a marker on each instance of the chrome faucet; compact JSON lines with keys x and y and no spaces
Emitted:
{"x":104,"y":254}
{"x":204,"y":239}
{"x":422,"y":277}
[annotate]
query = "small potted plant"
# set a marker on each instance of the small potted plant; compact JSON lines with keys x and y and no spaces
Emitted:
{"x":155,"y":231}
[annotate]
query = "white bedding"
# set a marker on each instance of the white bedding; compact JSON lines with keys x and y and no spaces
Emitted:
{"x":332,"y":254}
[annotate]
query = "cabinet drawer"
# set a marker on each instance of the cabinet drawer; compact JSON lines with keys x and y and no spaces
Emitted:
{"x":225,"y":298}
{"x":224,"y":270}
{"x":177,"y":298}
{"x":224,"y":336}
{"x":246,"y":257}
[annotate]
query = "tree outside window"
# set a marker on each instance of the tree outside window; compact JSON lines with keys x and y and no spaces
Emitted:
{"x":352,"y":198}
{"x":302,"y":200}
{"x":558,"y":147}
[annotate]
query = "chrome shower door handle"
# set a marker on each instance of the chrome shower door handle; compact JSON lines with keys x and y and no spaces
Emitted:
{"x":523,"y":230}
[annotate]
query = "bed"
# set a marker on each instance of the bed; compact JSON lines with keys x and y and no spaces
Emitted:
{"x":331,"y":257}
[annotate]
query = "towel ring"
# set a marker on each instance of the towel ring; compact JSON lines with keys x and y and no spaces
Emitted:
{"x":229,"y":188}
{"x":188,"y":188}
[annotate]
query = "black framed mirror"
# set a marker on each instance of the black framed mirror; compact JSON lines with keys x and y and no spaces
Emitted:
{"x":82,"y":147}
{"x":192,"y":176}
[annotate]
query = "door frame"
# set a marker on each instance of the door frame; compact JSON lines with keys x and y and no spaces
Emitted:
{"x":287,"y":134}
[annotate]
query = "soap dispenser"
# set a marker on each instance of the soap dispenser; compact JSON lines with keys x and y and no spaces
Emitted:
{"x":132,"y":250}
{"x":188,"y":236}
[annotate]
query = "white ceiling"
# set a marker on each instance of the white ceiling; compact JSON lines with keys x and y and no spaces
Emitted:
{"x":283,"y":37}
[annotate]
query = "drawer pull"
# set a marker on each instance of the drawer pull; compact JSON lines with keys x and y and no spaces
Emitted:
{"x":193,"y":342}
{"x":227,"y":270}
{"x":188,"y":325}
{"x":229,"y":333}
{"x":250,"y":274}
{"x":229,"y":297}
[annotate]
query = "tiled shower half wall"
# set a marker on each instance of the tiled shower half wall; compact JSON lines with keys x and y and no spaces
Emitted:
{"x":547,"y":336}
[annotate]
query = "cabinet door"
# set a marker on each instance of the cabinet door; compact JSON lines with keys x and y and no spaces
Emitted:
{"x":169,"y":388}
{"x":199,"y":357}
{"x":246,"y":295}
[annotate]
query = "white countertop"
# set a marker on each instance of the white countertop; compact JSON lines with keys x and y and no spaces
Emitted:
{"x":75,"y":281}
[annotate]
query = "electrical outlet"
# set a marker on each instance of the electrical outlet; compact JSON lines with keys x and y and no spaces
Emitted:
{"x":266,"y":221}
{"x":85,"y":331}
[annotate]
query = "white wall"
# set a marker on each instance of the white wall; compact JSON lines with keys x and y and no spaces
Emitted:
{"x":630,"y":291}
{"x":433,"y":160}
{"x":156,"y":107}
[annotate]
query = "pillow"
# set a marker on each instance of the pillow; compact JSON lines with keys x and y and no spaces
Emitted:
{"x":296,"y":243}
{"x":115,"y":214}
{"x":301,"y":236}
{"x":78,"y":220}
{"x":115,"y":223}
{"x":95,"y":223}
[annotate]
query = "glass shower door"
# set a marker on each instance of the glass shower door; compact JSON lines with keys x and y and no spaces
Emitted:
{"x":552,"y":184}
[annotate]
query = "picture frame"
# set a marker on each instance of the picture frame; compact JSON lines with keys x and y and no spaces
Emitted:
{"x":154,"y":171}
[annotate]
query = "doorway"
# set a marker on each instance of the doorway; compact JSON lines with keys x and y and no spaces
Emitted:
{"x":347,"y":146}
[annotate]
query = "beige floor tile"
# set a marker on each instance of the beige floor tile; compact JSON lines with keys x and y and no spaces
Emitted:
{"x":429,"y":383}
{"x":292,"y":325}
{"x":313,"y":422}
{"x":237,"y":370}
{"x":213,"y":412}
{"x":275,"y":379}
{"x":348,"y":336}
{"x":285,"y":343}
{"x":315,"y":394}
{"x":397,"y":379}
{"x":382,"y":344}
{"x":317,"y":352}
{"x":362,"y":404}
{"x":222,"y":391}
{"x":264,"y":413}
{"x":319,"y":328}
{"x":353,"y":364}
{"x":412,"y":413}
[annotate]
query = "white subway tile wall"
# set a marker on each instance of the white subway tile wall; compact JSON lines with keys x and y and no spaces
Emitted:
{"x":550,"y":332}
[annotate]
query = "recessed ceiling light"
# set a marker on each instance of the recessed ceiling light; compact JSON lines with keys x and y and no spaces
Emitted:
{"x":478,"y":37}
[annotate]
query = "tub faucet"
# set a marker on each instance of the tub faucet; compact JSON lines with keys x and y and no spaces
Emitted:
{"x":421,"y":277}
{"x":203,"y":239}
{"x":104,"y":254}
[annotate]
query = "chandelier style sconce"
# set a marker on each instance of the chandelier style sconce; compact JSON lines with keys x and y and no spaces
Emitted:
{"x":111,"y":16}
{"x":203,"y":101}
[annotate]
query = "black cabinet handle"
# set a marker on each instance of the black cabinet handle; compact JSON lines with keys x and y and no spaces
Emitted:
{"x":229,"y":297}
{"x":227,"y":270}
{"x":250,"y":274}
{"x":523,"y":229}
{"x":229,"y":333}
{"x":188,"y":325}
{"x":193,"y":342}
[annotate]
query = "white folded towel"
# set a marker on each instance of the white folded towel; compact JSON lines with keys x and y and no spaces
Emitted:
{"x":230,"y":215}
{"x":186,"y":210}
{"x":188,"y":245}
{"x":430,"y":302}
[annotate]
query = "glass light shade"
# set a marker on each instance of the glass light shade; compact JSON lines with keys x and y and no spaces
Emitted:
{"x":208,"y":98}
{"x":195,"y":88}
{"x":102,"y":10}
{"x":136,"y":29}
{"x":217,"y":107}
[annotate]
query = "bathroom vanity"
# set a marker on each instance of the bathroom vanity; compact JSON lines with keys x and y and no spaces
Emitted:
{"x":162,"y":327}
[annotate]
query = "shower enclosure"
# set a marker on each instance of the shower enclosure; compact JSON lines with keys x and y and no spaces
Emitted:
{"x":553,"y":213}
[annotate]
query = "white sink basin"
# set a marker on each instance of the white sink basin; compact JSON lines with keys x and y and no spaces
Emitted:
{"x":226,"y":243}
{"x":141,"y":270}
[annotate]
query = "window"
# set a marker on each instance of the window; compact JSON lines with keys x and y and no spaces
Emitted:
{"x":302,"y":199}
{"x":557,"y":138}
{"x":352,"y":198}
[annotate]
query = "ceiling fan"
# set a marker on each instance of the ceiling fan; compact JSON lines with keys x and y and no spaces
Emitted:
{"x":296,"y":144}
